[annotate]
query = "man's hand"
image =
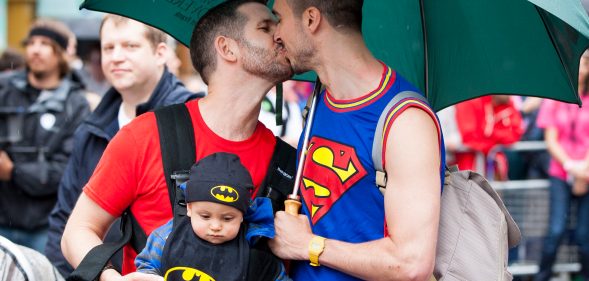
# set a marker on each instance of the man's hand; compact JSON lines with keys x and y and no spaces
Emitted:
{"x":112,"y":275}
{"x":6,"y":166}
{"x":293,"y":234}
{"x":579,"y":169}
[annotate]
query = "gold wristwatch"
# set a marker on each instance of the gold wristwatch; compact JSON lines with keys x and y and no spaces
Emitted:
{"x":316,"y":247}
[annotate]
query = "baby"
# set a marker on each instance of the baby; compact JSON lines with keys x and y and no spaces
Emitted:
{"x":210,"y":242}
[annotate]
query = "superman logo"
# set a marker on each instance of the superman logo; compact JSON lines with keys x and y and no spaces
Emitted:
{"x":331,"y":168}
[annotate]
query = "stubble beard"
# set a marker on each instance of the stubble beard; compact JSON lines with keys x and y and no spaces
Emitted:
{"x":301,"y":59}
{"x":265,"y":63}
{"x":301,"y":56}
{"x":39,"y":74}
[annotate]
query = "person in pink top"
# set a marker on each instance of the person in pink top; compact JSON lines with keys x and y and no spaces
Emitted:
{"x":566,"y":127}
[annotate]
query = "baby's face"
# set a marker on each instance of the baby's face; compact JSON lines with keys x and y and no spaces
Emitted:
{"x":213,"y":222}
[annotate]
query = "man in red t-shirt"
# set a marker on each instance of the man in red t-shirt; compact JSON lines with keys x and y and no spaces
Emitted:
{"x":232,"y":47}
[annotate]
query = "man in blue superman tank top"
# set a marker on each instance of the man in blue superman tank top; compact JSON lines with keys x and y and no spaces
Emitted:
{"x":349,"y":230}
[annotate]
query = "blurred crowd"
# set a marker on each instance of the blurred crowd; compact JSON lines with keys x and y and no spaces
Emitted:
{"x":53,"y":94}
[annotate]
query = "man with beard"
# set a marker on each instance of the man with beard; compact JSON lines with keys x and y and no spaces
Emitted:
{"x":40,"y":109}
{"x":133,"y":61}
{"x":234,"y":51}
{"x":349,"y":230}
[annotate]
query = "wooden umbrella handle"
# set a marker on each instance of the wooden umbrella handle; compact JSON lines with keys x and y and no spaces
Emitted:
{"x":292,"y":205}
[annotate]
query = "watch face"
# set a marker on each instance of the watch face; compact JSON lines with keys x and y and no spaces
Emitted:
{"x":316,"y":245}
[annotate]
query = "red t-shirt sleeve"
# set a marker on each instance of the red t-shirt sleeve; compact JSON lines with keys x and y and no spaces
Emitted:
{"x":113,"y":184}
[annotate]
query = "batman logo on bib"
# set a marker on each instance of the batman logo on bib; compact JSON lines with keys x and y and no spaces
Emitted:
{"x":186,"y":257}
{"x":187,"y":274}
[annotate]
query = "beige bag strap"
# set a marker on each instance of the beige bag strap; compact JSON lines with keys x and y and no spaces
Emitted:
{"x":381,"y":176}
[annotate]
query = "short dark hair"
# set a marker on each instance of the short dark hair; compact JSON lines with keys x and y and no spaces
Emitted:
{"x":341,"y":14}
{"x":223,"y":19}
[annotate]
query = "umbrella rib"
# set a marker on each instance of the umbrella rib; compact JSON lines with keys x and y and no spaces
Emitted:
{"x":425,"y":58}
{"x":552,"y":40}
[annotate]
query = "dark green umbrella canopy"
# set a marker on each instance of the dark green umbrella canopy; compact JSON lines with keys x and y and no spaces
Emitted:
{"x":452,"y":50}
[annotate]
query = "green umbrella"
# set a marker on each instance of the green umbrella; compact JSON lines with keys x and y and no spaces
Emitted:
{"x":453,"y":50}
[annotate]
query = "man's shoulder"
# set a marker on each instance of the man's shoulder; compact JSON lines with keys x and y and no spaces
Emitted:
{"x":264,"y":131}
{"x":179,"y":93}
{"x":142,"y":124}
{"x":174,"y":93}
{"x":12,"y":78}
{"x":6,"y":76}
{"x":141,"y":131}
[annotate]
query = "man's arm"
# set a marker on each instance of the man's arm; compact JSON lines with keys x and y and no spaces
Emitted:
{"x":84,"y":230}
{"x":412,"y":209}
{"x":554,"y":148}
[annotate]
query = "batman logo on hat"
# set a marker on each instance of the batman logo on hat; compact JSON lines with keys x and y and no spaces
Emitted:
{"x":225,"y":193}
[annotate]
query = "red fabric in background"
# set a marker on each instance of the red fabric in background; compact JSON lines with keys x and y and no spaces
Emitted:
{"x":483,"y":126}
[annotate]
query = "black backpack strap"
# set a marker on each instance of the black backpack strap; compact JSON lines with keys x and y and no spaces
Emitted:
{"x":279,"y":180}
{"x":178,"y":149}
{"x":277,"y":185}
{"x":178,"y":154}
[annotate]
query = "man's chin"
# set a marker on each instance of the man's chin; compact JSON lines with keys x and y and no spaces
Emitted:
{"x":39,"y":73}
{"x":296,"y":68}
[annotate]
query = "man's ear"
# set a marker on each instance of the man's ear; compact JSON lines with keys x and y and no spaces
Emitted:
{"x":226,"y":48}
{"x":312,"y":18}
{"x":161,"y":53}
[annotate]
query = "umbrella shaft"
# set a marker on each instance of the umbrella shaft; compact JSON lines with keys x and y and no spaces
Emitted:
{"x":308,"y":125}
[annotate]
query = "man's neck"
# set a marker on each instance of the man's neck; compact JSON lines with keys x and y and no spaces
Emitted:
{"x":356,"y":75}
{"x":232,"y":106}
{"x":44,"y":81}
{"x":138,"y":94}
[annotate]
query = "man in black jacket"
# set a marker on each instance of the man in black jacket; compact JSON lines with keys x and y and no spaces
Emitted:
{"x":133,"y":61}
{"x":41,"y":108}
